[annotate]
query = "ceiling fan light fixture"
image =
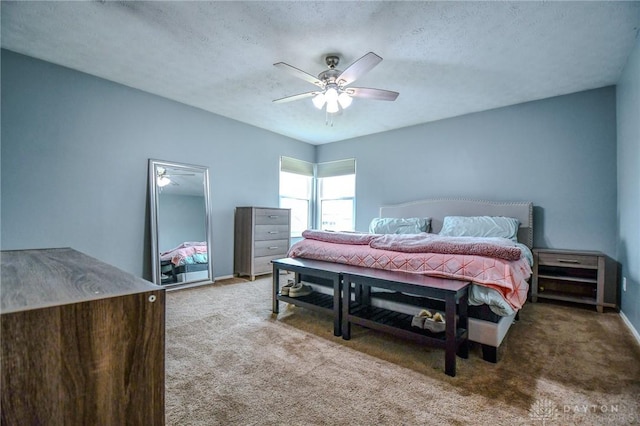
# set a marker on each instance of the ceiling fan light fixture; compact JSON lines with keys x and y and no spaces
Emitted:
{"x":334,"y":94}
{"x":345,"y":100}
{"x":332,"y":106}
{"x":331,"y":95}
{"x":319,"y":100}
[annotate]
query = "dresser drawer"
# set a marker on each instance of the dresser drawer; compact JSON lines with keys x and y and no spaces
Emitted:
{"x":271,"y":247}
{"x":262,"y":265}
{"x":272,"y":217}
{"x":271,"y":232}
{"x":568,"y":260}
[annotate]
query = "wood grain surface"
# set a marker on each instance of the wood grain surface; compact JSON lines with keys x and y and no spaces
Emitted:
{"x":34,"y":279}
{"x":97,"y":361}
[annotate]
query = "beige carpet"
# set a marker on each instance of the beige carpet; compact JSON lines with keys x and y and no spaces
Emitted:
{"x":229,"y":361}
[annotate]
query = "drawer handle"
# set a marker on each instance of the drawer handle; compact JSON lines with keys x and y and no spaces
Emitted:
{"x":273,"y":247}
{"x":273,"y":216}
{"x":273,"y":232}
{"x":568,"y":260}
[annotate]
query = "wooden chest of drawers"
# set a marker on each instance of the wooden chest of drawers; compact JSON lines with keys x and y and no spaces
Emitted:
{"x":261,"y":235}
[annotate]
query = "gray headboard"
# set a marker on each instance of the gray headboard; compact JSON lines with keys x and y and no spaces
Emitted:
{"x":437,"y":209}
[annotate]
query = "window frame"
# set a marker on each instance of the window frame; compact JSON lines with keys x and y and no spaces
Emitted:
{"x":306,"y":170}
{"x":320,"y":200}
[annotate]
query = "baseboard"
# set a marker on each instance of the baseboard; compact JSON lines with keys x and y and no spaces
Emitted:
{"x":630,"y":326}
{"x":224,"y":277}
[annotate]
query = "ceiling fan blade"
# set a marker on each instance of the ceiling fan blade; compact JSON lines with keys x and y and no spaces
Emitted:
{"x":295,"y":97}
{"x":299,"y":73}
{"x":378,"y":94}
{"x":359,"y":68}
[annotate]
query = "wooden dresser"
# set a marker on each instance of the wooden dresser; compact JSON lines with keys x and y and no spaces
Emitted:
{"x":261,"y":235}
{"x":82,"y":342}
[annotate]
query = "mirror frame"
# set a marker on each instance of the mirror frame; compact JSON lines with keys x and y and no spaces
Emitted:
{"x":153,"y":203}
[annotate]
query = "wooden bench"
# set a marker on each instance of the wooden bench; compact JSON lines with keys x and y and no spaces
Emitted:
{"x":349,"y":280}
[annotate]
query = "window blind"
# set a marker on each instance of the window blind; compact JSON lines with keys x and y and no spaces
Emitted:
{"x":337,"y":168}
{"x":299,"y":167}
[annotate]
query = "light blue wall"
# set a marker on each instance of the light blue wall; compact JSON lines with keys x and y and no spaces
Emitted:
{"x":74,"y":163}
{"x":559,"y":153}
{"x":181,"y":218}
{"x":628,"y":99}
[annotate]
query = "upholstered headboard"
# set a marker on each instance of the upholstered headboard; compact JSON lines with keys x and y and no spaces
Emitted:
{"x":437,"y":209}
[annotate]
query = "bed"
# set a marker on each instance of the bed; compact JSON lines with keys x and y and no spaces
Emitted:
{"x":188,"y":261}
{"x":492,"y":315}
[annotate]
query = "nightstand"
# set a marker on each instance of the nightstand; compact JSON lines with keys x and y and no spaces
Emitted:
{"x":587,"y":277}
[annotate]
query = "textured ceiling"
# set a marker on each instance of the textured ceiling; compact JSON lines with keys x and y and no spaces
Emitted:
{"x":445,"y":58}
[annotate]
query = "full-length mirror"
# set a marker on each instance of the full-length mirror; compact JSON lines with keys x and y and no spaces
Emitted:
{"x":180,"y":223}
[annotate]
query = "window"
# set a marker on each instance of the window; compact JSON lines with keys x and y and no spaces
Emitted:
{"x":337,"y":195}
{"x":296,"y":189}
{"x":323,"y":195}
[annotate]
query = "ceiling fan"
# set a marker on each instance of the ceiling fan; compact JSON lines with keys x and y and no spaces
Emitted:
{"x":334,"y":93}
{"x":164,"y":177}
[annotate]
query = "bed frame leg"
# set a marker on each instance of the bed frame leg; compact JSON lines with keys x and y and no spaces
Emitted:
{"x":490,"y":353}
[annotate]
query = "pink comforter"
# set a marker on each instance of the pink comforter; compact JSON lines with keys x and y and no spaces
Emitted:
{"x":501,"y":248}
{"x":508,"y":277}
{"x":179,"y":255}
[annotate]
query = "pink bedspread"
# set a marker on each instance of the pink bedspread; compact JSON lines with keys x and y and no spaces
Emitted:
{"x":188,"y":250}
{"x":502,"y":248}
{"x":508,"y":277}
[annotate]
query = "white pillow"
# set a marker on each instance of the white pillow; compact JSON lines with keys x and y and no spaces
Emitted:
{"x":393,"y":225}
{"x":480,"y":226}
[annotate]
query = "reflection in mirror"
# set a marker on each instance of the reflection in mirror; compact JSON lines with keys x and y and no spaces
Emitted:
{"x":180,"y":227}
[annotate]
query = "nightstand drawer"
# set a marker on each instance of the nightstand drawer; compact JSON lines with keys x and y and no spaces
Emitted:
{"x":569,"y":260}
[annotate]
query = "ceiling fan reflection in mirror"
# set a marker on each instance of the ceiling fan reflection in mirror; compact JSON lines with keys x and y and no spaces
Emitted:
{"x":334,"y":94}
{"x":164,"y":177}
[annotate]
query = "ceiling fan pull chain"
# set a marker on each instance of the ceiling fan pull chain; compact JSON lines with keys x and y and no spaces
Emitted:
{"x":328,"y":118}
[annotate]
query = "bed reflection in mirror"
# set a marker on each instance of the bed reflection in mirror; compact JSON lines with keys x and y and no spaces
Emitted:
{"x":180,"y":228}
